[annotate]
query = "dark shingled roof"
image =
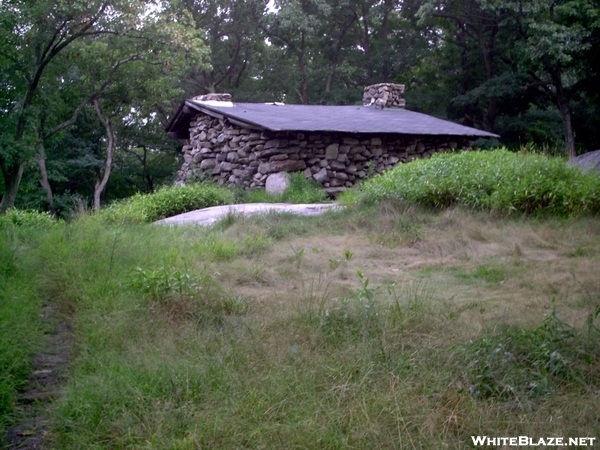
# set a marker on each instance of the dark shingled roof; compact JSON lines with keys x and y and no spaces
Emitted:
{"x":347,"y":119}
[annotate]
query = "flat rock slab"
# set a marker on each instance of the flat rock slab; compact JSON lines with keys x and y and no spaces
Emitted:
{"x":208,"y":216}
{"x":587,"y":161}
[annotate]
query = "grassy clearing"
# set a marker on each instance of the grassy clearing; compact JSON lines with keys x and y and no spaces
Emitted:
{"x":378,"y":327}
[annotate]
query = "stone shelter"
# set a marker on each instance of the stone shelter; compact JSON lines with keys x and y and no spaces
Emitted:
{"x":242,"y":144}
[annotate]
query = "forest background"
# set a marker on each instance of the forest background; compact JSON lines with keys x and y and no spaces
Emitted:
{"x":87,"y":87}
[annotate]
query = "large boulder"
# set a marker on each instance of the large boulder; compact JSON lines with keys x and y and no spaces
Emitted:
{"x":587,"y":161}
{"x":277,"y":183}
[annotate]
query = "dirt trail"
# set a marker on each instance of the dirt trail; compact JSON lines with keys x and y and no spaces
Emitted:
{"x":44,"y":385}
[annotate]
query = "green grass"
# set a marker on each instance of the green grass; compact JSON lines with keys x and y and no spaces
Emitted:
{"x":496,"y":180}
{"x":21,"y":329}
{"x":246,"y":335}
{"x":167,"y":202}
{"x":301,"y":190}
{"x":21,"y":334}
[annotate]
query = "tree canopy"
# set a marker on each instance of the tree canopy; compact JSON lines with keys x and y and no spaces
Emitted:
{"x":87,"y":87}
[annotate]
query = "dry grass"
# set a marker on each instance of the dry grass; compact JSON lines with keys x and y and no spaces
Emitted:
{"x":477,"y":265}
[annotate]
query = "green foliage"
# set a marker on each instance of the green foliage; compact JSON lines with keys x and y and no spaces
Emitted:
{"x":524,"y":364}
{"x":301,"y":190}
{"x":164,"y":283}
{"x":21,"y":332}
{"x":130,"y":55}
{"x":351,"y":318}
{"x":348,"y":198}
{"x":27,"y":219}
{"x":20,"y":335}
{"x":496,"y":180}
{"x":195,"y":296}
{"x":167,"y":202}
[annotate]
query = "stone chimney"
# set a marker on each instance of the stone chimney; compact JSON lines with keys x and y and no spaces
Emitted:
{"x":384,"y":95}
{"x":213,"y":98}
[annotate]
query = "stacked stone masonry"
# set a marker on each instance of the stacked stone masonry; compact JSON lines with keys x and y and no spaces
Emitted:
{"x":384,"y":95}
{"x":235,"y":156}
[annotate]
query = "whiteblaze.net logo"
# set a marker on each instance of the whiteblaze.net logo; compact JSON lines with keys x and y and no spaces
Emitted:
{"x":526,"y":441}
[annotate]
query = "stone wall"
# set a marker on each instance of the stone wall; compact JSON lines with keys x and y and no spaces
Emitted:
{"x":235,"y":156}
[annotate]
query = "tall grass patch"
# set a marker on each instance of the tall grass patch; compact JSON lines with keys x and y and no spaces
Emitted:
{"x":521,"y":365}
{"x":21,"y":327}
{"x":167,"y":202}
{"x":490,"y":180}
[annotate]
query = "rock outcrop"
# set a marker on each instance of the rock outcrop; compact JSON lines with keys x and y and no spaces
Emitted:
{"x":587,"y":161}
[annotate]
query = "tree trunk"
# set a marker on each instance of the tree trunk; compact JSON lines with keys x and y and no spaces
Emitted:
{"x":41,"y":159}
{"x":564,"y":106}
{"x":565,"y":114}
{"x":12,"y":178}
{"x":303,"y":91}
{"x":329,"y":79}
{"x":110,"y":150}
{"x":487,"y":51}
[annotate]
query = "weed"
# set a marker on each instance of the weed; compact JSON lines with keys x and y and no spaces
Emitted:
{"x":165,"y":283}
{"x":236,"y":306}
{"x":349,"y":198}
{"x":522,"y":365}
{"x":296,"y":256}
{"x":355,"y":317}
{"x":21,"y":325}
{"x":409,"y":304}
{"x":26,"y":219}
{"x":195,"y":295}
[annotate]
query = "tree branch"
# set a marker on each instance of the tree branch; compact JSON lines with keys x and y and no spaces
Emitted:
{"x":110,"y":150}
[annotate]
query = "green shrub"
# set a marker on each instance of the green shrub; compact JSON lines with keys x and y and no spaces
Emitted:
{"x":303,"y":190}
{"x":490,"y":180}
{"x":145,"y":208}
{"x":21,"y":218}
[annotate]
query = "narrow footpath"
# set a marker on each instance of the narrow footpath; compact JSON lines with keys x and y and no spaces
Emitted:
{"x":43,"y":386}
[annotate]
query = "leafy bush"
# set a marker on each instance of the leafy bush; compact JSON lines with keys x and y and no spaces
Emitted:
{"x":22,"y":218}
{"x":492,"y":180}
{"x":144,"y":208}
